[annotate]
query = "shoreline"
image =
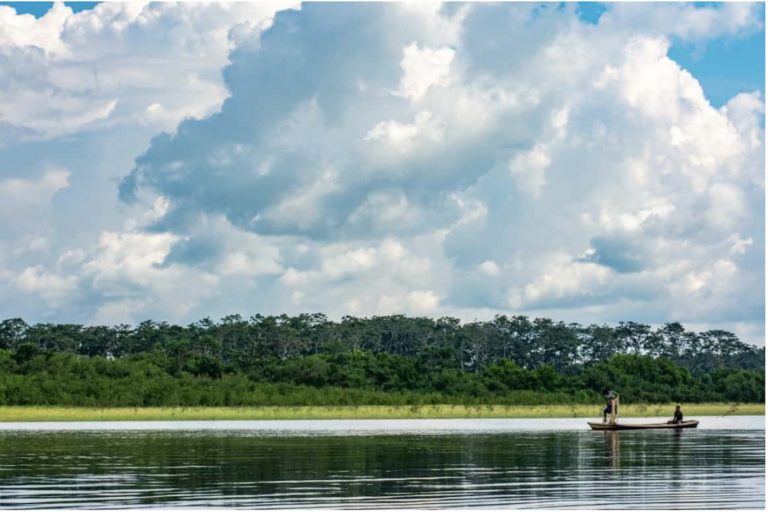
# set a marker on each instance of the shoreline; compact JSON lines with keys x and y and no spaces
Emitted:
{"x":60,"y":413}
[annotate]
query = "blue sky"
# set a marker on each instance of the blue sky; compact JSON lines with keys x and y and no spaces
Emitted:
{"x":725,"y":66}
{"x":38,"y":9}
{"x":585,"y":162}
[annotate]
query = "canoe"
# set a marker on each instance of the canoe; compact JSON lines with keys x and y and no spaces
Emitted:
{"x":642,"y":426}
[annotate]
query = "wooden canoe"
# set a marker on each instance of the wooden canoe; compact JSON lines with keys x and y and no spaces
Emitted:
{"x":642,"y":426}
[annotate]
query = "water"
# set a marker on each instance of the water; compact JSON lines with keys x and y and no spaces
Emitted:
{"x":382,"y":464}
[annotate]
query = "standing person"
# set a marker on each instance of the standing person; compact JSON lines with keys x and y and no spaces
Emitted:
{"x":611,"y":405}
{"x":677,"y":417}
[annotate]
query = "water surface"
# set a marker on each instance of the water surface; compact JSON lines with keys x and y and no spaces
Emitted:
{"x":381,"y":464}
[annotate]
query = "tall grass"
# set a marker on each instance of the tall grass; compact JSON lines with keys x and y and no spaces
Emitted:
{"x":8,"y":414}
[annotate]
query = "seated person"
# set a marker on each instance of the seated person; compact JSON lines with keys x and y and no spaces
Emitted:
{"x":677,"y":416}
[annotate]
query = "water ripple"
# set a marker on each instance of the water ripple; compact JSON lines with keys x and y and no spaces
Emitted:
{"x":700,"y":469}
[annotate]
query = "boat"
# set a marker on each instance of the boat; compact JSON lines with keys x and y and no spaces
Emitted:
{"x":642,"y":426}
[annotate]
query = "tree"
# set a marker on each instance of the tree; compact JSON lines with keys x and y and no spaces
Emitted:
{"x":12,"y":333}
{"x":599,"y":344}
{"x":635,"y":338}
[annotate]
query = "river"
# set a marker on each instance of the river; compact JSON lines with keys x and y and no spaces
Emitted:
{"x":339,"y":464}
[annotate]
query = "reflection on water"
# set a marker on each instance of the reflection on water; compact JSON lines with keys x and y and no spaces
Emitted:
{"x":546,"y":469}
{"x":612,"y":443}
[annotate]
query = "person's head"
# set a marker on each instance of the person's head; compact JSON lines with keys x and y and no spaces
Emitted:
{"x":606,"y":390}
{"x":677,"y":407}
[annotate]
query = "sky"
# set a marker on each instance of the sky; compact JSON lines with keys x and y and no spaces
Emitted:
{"x":590,"y":163}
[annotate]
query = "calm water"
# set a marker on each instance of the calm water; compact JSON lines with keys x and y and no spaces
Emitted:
{"x":381,"y":464}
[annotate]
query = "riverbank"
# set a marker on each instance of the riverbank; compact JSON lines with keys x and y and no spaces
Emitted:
{"x":25,"y":413}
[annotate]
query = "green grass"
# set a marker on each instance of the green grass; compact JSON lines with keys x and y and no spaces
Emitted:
{"x":363,"y":412}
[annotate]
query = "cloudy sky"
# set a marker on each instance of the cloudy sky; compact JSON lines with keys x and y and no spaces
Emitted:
{"x":587,"y":163}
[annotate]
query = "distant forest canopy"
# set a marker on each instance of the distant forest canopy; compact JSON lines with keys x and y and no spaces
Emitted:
{"x":444,"y":341}
{"x":310,"y":360}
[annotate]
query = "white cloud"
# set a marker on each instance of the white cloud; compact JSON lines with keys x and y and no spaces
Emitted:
{"x":684,"y":20}
{"x":26,"y":210}
{"x":424,"y":68}
{"x":26,"y":31}
{"x":392,"y":140}
{"x":20,"y":191}
{"x":125,"y":259}
{"x":119,"y":311}
{"x":435,"y":26}
{"x":385,"y":209}
{"x":55,"y":289}
{"x":124,"y":271}
{"x":739,"y":246}
{"x":562,"y":280}
{"x":396,"y":274}
{"x":423,"y":302}
{"x":303,"y":208}
{"x":530,"y":168}
{"x":120,"y":62}
{"x":377,"y":158}
{"x":344,"y":261}
{"x":744,"y":110}
{"x":490,"y":268}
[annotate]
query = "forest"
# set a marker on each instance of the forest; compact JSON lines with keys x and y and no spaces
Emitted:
{"x":308,"y":359}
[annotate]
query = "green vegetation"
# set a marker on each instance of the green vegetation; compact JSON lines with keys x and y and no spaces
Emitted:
{"x":308,"y":360}
{"x":362,"y":412}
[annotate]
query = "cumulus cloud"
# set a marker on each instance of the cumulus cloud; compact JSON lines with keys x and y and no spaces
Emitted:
{"x":595,"y":160}
{"x":687,"y":21}
{"x":17,"y":193}
{"x":121,"y":62}
{"x":428,"y":159}
{"x":397,"y":278}
{"x":80,"y":95}
{"x":50,"y":286}
{"x":424,"y":68}
{"x":26,"y":209}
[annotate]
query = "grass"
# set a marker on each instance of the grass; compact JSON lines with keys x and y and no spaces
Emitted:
{"x":52,"y":413}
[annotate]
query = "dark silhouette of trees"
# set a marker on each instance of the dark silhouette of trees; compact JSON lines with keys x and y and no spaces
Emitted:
{"x":382,"y":359}
{"x":444,"y":342}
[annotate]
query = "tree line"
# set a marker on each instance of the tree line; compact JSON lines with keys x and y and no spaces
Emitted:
{"x":311,"y":360}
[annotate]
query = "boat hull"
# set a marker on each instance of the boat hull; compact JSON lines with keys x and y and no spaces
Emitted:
{"x":643,"y":426}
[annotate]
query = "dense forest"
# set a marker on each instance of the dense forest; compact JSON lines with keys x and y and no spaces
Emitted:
{"x":311,"y":360}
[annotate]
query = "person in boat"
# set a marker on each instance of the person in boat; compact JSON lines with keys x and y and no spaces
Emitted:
{"x":677,"y":417}
{"x":611,"y":405}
